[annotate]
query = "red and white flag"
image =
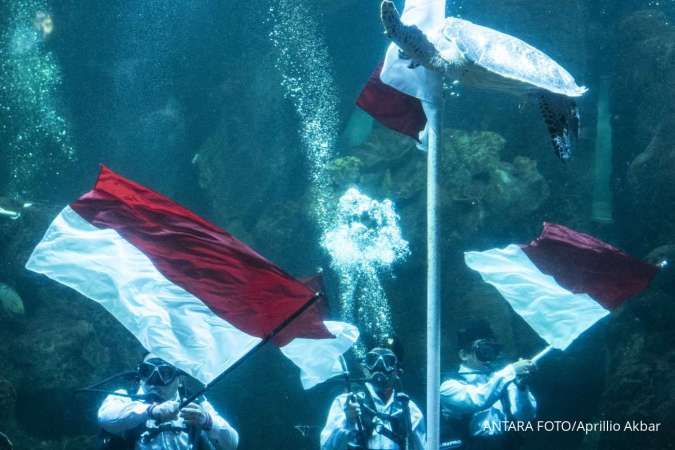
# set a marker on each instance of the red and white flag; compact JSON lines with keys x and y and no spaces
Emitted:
{"x":190,"y":292}
{"x":399,"y":94}
{"x":562,"y":282}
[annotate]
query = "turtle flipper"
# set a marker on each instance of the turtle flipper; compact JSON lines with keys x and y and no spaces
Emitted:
{"x":562,"y":120}
{"x":413,"y":43}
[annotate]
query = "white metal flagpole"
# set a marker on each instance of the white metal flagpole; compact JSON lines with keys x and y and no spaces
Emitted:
{"x":435,"y":120}
{"x":535,"y":359}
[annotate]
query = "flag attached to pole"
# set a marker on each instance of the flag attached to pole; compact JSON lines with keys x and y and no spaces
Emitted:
{"x":398,"y":93}
{"x":562,"y":282}
{"x":187,"y":290}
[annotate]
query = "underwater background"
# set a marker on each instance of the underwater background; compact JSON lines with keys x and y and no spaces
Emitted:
{"x":244,"y":112}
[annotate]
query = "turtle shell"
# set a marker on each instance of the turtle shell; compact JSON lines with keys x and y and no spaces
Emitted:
{"x":510,"y":57}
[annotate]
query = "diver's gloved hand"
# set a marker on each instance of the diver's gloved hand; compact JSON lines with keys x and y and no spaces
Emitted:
{"x":352,"y":409}
{"x":196,"y":416}
{"x":524,"y":368}
{"x":162,"y":412}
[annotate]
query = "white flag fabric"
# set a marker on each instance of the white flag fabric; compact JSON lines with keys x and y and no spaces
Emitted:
{"x":562,"y":282}
{"x":101,"y":265}
{"x":319,"y":359}
{"x":556,"y":314}
{"x":188,"y":291}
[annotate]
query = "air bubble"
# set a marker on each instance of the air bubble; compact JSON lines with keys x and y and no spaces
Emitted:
{"x":360,"y":251}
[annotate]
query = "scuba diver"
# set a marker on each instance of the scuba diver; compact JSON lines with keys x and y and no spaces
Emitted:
{"x":376,"y":416}
{"x":153,"y":419}
{"x":478,"y":402}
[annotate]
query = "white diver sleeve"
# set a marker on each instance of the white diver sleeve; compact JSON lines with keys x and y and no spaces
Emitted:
{"x":120,"y":414}
{"x":221,"y":434}
{"x":418,"y":427}
{"x":459,"y":397}
{"x":337,"y":433}
{"x":523,"y":403}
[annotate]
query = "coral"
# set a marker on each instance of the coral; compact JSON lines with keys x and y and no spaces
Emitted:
{"x":384,"y":147}
{"x":474,"y":175}
{"x":477,"y":186}
{"x":345,"y":170}
{"x":485,"y":190}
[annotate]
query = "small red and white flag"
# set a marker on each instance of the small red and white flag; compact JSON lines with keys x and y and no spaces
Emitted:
{"x":399,"y":94}
{"x":190,"y":292}
{"x":562,"y":282}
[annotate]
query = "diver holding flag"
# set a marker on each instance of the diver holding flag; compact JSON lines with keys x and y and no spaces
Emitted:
{"x":199,"y":300}
{"x":375,"y":415}
{"x":190,"y":292}
{"x":154,"y":418}
{"x":482,"y":396}
{"x":561,"y":284}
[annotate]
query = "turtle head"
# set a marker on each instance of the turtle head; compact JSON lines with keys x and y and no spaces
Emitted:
{"x":412,"y":41}
{"x":391,"y":19}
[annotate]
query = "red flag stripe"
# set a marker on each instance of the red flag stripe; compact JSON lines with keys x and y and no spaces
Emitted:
{"x":392,"y":108}
{"x":234,"y":281}
{"x":583,"y":264}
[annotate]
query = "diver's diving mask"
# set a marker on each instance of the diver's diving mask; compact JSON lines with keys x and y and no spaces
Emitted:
{"x":486,"y":350}
{"x":157,"y":372}
{"x":381,"y":359}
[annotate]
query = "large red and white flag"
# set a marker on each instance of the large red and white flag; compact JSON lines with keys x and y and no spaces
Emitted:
{"x":187,"y":290}
{"x":400,"y":94}
{"x":562,"y":282}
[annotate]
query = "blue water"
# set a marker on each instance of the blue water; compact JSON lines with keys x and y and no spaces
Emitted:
{"x":245,"y":114}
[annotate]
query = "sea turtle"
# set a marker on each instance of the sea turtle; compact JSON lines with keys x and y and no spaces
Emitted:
{"x":481,"y":57}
